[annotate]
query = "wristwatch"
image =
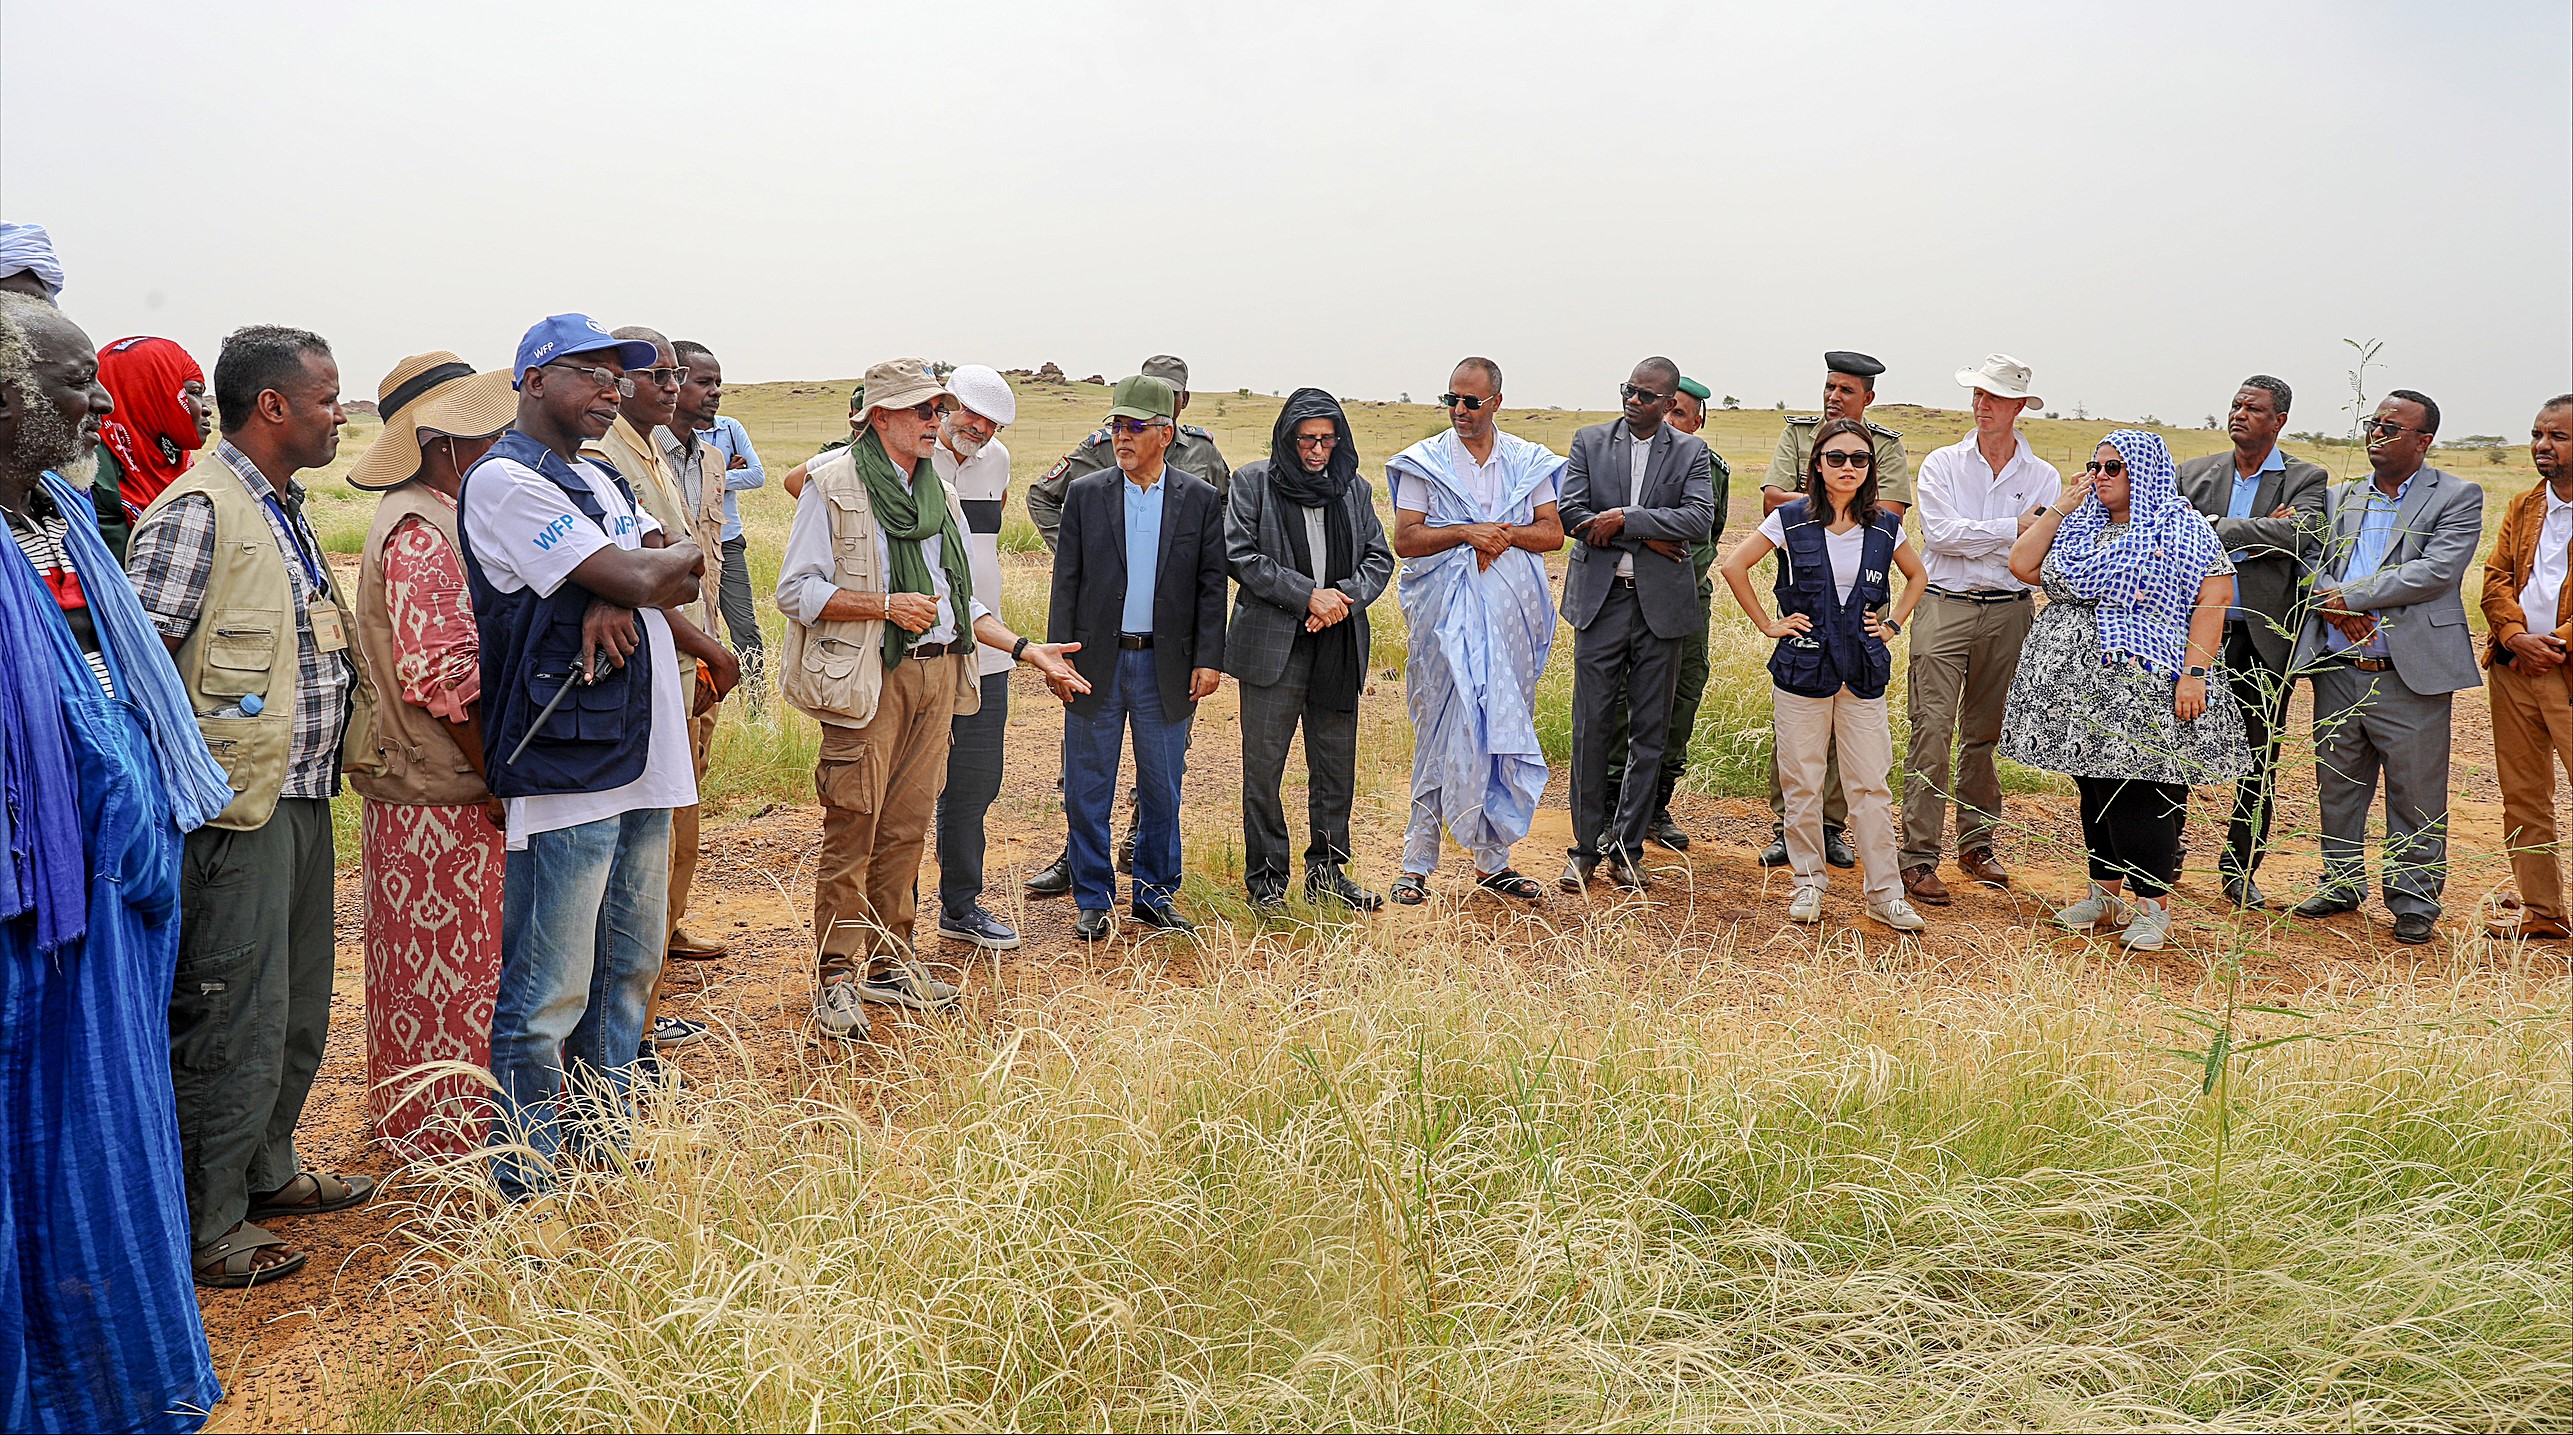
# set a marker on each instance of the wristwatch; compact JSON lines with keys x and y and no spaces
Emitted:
{"x":1891,"y":625}
{"x":2194,"y":672}
{"x":1018,"y":648}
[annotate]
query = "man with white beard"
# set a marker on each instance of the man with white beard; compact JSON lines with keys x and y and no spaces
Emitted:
{"x":976,"y":466}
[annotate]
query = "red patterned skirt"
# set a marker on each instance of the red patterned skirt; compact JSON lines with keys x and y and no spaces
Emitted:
{"x":433,"y":893}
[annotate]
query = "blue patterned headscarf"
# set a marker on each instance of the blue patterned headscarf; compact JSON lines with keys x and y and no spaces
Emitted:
{"x":2144,"y":580}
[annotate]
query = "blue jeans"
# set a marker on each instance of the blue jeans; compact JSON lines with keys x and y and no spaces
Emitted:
{"x":1092,"y":745}
{"x":581,"y":934}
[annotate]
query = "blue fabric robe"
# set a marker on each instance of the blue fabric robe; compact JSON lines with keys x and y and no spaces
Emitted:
{"x":98,"y":1315}
{"x":1479,"y":642}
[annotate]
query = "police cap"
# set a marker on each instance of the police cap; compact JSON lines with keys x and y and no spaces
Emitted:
{"x":1857,"y":365}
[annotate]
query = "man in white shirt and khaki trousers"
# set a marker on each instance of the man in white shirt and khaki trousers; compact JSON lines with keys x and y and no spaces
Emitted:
{"x":1977,"y":496}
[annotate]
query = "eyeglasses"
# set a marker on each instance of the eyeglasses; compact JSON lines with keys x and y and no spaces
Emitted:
{"x":2113,"y":468}
{"x":668,"y":378}
{"x":1322,"y":440}
{"x":1135,"y":427}
{"x":1471,"y":403}
{"x":601,"y":377}
{"x":1633,"y":392}
{"x":1847,"y":458}
{"x":2381,"y":425}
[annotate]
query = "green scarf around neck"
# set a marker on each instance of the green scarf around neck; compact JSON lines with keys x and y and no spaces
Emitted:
{"x":910,"y":512}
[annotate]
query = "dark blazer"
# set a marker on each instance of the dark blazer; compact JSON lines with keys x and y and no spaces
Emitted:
{"x":1677,"y":504}
{"x":1270,"y":608}
{"x":1188,"y":595}
{"x":2270,"y":578}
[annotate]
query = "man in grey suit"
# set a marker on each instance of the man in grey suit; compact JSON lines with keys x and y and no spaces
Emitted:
{"x":2385,"y":644}
{"x":2264,"y":505}
{"x":1302,"y":538}
{"x":1637,"y":493}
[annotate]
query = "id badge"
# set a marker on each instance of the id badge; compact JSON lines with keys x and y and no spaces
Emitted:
{"x":330,"y":635}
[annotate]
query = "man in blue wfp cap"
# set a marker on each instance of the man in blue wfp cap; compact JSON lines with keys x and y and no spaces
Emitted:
{"x":588,"y":741}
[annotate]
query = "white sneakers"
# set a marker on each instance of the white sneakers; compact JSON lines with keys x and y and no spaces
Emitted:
{"x":2101,"y":907}
{"x":1807,"y":906}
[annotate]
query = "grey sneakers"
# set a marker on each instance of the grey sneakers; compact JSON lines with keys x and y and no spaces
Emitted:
{"x":837,"y":1012}
{"x":2151,"y":926}
{"x":2101,"y":907}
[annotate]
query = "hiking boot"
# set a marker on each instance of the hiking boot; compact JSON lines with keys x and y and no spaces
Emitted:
{"x":1983,"y":867}
{"x":2101,"y":908}
{"x":1666,"y":832}
{"x":1922,"y":885}
{"x":907,"y":985}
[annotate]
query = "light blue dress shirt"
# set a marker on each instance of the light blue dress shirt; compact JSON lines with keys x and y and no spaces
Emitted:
{"x":733,"y":441}
{"x":2375,"y":541}
{"x":2246,"y":493}
{"x":1143,"y":550}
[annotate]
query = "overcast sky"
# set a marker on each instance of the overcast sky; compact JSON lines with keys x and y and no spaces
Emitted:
{"x":2144,"y":202}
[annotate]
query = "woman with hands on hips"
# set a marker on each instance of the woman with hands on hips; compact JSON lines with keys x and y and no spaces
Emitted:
{"x":1837,"y":552}
{"x":2115,"y":688}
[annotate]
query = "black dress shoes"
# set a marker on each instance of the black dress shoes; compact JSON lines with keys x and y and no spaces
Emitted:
{"x":1775,"y":854}
{"x":1576,"y":872}
{"x":1836,"y":849}
{"x":2327,"y":904}
{"x":1666,"y":832}
{"x":1321,"y":887}
{"x":1054,"y":879}
{"x":2414,"y":928}
{"x":2243,"y":892}
{"x":1093,"y":925}
{"x":1162,"y":919}
{"x":1627,"y":871}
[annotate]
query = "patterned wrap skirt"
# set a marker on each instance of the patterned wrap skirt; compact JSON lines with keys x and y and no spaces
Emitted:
{"x":433,"y":887}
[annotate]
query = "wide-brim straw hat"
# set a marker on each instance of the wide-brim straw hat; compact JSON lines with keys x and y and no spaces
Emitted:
{"x":440,"y":393}
{"x":897,"y":384}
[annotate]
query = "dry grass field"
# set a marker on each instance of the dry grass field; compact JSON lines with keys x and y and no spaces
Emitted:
{"x":1601,"y":1163}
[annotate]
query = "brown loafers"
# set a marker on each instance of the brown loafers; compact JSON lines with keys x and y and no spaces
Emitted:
{"x":1922,"y":885}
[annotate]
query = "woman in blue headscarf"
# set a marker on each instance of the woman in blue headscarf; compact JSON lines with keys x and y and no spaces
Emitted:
{"x":2116,"y":687}
{"x":103,"y":772}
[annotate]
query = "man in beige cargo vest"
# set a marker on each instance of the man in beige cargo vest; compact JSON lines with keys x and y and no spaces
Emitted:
{"x":878,"y":591}
{"x":639,"y":446}
{"x":237,"y":583}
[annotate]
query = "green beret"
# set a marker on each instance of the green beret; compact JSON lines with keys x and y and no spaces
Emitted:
{"x":1696,"y":390}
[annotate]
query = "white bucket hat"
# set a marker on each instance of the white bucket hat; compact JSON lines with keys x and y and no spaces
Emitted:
{"x":983,"y":390}
{"x":2001,"y":376}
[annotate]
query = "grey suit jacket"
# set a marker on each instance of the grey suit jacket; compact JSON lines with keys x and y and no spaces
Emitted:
{"x":2270,"y":578}
{"x":1270,"y":606}
{"x":2417,"y":595}
{"x":1677,"y":504}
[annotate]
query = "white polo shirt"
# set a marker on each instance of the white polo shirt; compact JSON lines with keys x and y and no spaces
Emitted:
{"x":527,"y":535}
{"x":980,"y":483}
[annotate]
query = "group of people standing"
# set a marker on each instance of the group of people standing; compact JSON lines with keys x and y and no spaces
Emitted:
{"x":552,"y":604}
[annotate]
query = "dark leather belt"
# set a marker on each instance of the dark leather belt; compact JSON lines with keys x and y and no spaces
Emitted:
{"x":1983,"y":595}
{"x":1134,"y":642}
{"x":1622,"y":580}
{"x":926,"y":651}
{"x":2367,"y":665}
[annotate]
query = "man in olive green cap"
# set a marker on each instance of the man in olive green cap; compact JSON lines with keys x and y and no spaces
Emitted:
{"x":1139,"y":602}
{"x":1849,"y":386}
{"x":1191,"y":451}
{"x":1688,"y":415}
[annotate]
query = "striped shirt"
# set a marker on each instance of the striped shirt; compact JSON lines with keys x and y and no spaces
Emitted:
{"x":43,"y":535}
{"x":172,"y":563}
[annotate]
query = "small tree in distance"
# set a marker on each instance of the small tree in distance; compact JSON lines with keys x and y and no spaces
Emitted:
{"x":1731,"y":402}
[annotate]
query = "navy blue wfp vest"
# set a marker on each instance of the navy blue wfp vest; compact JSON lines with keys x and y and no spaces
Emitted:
{"x":601,"y":735}
{"x":1838,"y":651}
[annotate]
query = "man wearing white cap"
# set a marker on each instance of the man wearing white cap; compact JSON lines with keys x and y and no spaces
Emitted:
{"x":878,"y":586}
{"x":1977,"y":496}
{"x":975,"y":465}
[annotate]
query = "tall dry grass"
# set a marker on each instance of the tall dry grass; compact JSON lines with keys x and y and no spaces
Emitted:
{"x":1344,"y":1187}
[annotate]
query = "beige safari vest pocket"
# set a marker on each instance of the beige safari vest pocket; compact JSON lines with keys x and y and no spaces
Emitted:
{"x":240,"y":654}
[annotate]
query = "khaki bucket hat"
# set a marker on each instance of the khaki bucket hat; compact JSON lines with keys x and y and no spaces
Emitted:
{"x":896,"y":384}
{"x":440,"y":394}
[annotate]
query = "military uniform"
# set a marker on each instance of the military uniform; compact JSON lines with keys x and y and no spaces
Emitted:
{"x":1193,"y":451}
{"x":1796,"y":449}
{"x":1691,"y":691}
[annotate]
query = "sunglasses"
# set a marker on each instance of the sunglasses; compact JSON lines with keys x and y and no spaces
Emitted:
{"x":2113,"y":468}
{"x":1632,"y":392}
{"x":1469,"y":401}
{"x":1847,"y":458}
{"x":2390,"y":426}
{"x":1327,"y":440}
{"x":1135,"y":427}
{"x":601,"y":377}
{"x":668,"y":378}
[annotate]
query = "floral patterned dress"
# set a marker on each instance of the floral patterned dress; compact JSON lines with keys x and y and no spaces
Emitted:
{"x":2071,"y":712}
{"x":433,"y":880}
